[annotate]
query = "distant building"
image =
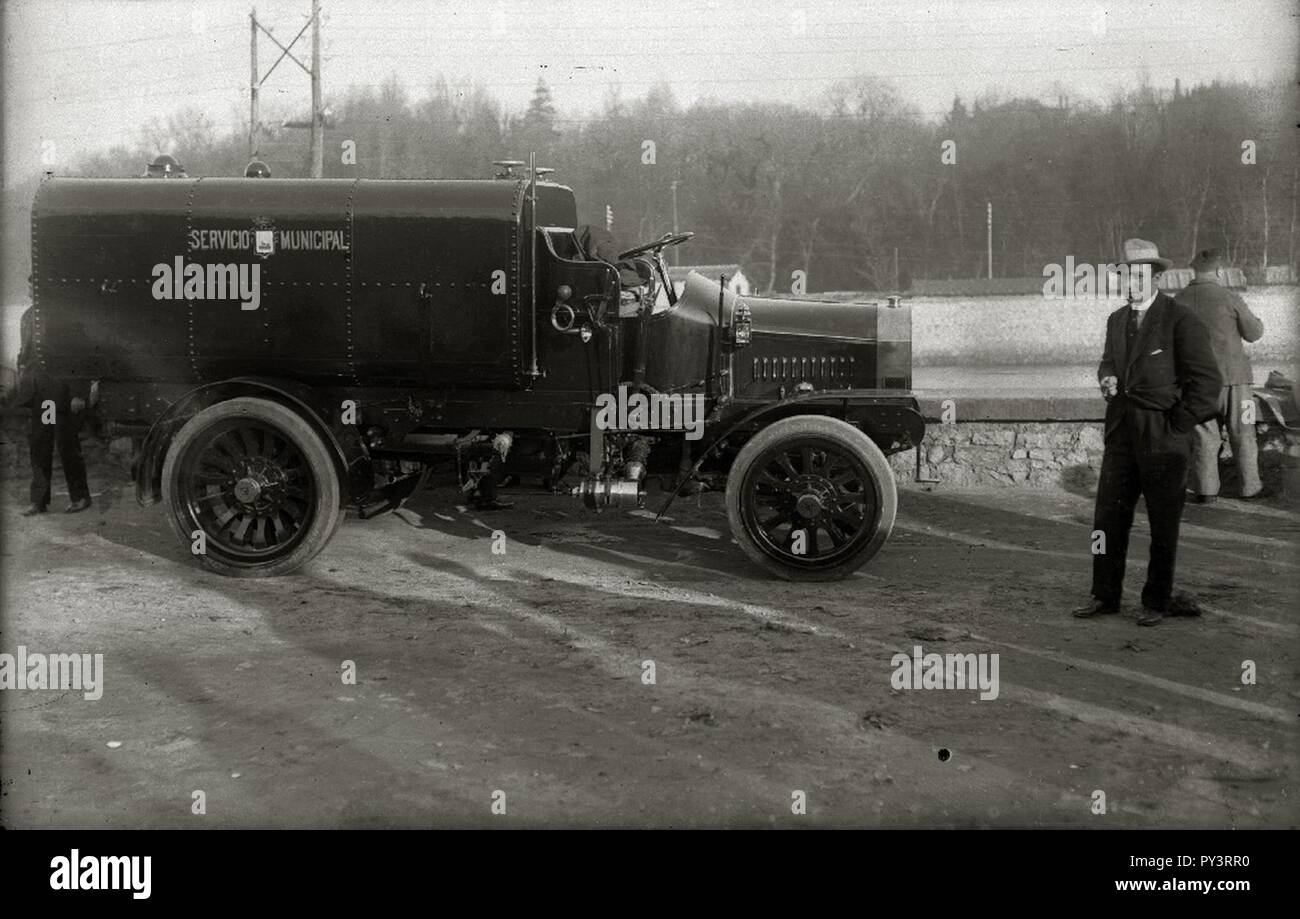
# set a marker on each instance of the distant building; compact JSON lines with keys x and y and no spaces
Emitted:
{"x":1178,"y":278}
{"x":1273,"y":274}
{"x":737,"y":282}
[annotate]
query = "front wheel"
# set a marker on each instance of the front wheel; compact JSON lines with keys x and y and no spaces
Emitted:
{"x":811,"y":498}
{"x":250,"y":487}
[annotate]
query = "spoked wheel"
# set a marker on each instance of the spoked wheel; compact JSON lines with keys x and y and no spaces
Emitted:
{"x":811,"y":498}
{"x":257,"y":481}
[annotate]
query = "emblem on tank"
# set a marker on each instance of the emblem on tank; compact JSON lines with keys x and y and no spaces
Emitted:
{"x":263,"y":237}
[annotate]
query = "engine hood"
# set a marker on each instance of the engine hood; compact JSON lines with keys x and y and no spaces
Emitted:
{"x":824,"y":344}
{"x":819,"y":318}
{"x":822,"y":318}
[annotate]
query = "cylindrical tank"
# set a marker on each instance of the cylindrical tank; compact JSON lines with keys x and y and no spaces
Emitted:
{"x":361,"y":282}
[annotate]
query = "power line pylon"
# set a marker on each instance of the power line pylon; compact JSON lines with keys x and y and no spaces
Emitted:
{"x":317,"y":122}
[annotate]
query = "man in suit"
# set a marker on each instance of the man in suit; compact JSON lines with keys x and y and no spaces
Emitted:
{"x":56,"y":416}
{"x":1160,"y":379}
{"x":1230,"y":321}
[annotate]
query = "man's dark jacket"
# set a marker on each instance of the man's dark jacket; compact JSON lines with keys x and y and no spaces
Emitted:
{"x":1168,"y":382}
{"x":30,"y":379}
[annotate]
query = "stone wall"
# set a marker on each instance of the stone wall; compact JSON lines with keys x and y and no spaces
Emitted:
{"x":1056,"y":454}
{"x":1035,"y":454}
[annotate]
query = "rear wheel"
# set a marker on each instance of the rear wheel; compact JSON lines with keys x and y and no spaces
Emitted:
{"x":811,"y":498}
{"x":257,"y":481}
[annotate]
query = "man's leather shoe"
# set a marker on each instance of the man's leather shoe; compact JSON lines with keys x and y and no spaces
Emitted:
{"x":33,"y":510}
{"x":1262,"y":493}
{"x":1150,"y":616}
{"x":1183,"y":604}
{"x":1095,"y":608}
{"x":78,"y":506}
{"x":1204,"y":499}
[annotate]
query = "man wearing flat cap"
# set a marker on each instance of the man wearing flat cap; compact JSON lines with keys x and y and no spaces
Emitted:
{"x":1160,"y":379}
{"x":1230,"y":322}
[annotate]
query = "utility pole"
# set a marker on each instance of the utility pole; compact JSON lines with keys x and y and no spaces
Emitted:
{"x":317,"y":117}
{"x":676,"y":255}
{"x":317,"y":121}
{"x":253,"y":83}
{"x":990,"y":238}
{"x":533,"y":371}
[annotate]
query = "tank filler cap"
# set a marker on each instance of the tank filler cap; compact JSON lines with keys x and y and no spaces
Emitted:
{"x":165,"y":166}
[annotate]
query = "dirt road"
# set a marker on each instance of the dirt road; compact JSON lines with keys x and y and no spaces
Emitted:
{"x":523,"y":680}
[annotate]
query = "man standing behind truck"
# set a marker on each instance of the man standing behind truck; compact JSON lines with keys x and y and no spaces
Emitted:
{"x":1230,"y":321}
{"x":55,"y":417}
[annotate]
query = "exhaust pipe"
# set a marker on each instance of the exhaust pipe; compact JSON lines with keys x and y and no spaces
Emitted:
{"x":598,"y":494}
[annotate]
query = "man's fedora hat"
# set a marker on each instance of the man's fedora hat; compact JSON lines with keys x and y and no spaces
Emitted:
{"x":1208,"y":260}
{"x":1142,"y":252}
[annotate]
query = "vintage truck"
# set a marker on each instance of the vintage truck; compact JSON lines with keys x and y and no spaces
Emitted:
{"x":289,"y":349}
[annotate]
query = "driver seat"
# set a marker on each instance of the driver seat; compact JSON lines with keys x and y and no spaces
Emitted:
{"x":635,"y":276}
{"x":595,"y":244}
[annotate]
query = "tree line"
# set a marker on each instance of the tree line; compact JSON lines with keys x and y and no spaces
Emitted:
{"x":859,"y":191}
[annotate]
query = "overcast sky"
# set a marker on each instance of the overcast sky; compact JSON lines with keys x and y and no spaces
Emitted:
{"x":80,"y":75}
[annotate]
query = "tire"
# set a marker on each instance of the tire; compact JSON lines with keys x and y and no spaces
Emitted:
{"x":258,"y":481}
{"x":817,"y":476}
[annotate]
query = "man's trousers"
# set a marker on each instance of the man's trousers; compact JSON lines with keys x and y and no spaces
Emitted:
{"x":1233,"y":402}
{"x":1128,"y":473}
{"x":42,"y":438}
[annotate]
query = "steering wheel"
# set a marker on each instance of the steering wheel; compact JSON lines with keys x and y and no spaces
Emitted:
{"x":663,"y":242}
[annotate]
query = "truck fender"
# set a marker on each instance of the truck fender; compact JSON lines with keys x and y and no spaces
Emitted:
{"x":891,"y":419}
{"x":346,"y":446}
